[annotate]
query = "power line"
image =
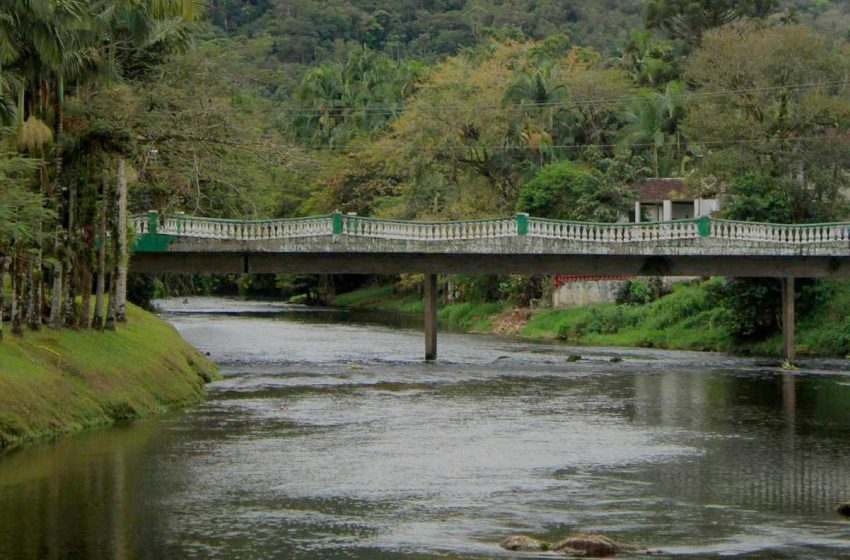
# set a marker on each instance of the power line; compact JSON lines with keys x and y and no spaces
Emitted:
{"x":526,"y":147}
{"x":394,"y":109}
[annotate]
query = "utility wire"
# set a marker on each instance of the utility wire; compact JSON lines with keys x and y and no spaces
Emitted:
{"x":525,"y":147}
{"x":392,"y":109}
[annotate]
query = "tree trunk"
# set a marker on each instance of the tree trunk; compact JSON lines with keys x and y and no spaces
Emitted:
{"x":123,"y":256}
{"x":110,"y":308}
{"x":55,"y":321}
{"x":84,"y":314}
{"x":70,"y":264}
{"x":17,"y":289}
{"x":33,"y":315}
{"x":2,"y":293}
{"x":86,"y":273}
{"x":101,"y":253}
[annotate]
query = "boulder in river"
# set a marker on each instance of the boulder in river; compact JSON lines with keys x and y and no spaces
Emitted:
{"x":589,"y":546}
{"x":573,"y":358}
{"x":521,"y":543}
{"x":844,"y":509}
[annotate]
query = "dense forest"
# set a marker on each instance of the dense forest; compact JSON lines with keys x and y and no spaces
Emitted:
{"x":403,"y":108}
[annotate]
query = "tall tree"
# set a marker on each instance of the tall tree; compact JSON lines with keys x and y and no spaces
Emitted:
{"x":784,"y":112}
{"x":689,"y":19}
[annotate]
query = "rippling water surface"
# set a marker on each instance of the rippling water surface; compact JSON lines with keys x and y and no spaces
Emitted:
{"x":330,"y":438}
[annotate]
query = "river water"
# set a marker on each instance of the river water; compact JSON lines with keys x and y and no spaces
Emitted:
{"x":330,"y":438}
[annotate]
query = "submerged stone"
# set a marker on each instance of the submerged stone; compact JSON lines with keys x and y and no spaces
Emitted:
{"x":521,"y":543}
{"x":590,"y":546}
{"x":573,"y":358}
{"x":844,"y":509}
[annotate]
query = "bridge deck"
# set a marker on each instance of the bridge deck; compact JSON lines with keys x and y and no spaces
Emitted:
{"x":522,"y":245}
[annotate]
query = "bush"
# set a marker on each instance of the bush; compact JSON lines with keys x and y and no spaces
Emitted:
{"x":754,"y":305}
{"x":641,"y":292}
{"x":142,"y":289}
{"x":566,"y":191}
{"x":520,"y":290}
{"x":476,"y":289}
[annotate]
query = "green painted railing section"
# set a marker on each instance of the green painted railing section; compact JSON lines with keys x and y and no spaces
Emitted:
{"x":522,"y":224}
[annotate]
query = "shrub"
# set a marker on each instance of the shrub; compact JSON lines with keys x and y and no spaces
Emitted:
{"x":566,"y":191}
{"x":641,"y":292}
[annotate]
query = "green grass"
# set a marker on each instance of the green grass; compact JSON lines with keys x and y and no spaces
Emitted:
{"x":686,"y":319}
{"x":58,"y":382}
{"x":474,"y":317}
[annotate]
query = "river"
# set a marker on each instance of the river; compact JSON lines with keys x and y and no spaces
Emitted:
{"x":330,"y":438}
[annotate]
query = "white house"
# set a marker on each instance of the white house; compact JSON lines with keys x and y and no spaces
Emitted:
{"x":662,"y":200}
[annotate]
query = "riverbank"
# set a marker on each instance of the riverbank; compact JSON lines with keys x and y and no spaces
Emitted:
{"x":59,"y":382}
{"x":685,"y":319}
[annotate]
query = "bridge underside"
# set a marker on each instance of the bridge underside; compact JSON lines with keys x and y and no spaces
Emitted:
{"x":477,"y":263}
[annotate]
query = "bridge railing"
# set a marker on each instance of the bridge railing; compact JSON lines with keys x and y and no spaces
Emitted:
{"x":429,"y":231}
{"x":213,"y":228}
{"x":521,"y":226}
{"x":614,"y":233}
{"x":141,"y":225}
{"x":780,"y":233}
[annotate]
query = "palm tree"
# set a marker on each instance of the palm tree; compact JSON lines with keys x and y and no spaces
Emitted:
{"x":651,"y":121}
{"x":645,"y":120}
{"x":532,"y":94}
{"x":45,"y":44}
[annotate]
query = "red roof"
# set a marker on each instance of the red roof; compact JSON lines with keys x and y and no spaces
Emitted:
{"x":655,"y":190}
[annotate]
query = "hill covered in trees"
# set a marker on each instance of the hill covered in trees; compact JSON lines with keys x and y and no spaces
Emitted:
{"x":446,"y":108}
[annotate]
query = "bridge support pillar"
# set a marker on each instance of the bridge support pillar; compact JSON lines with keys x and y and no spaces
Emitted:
{"x":430,"y":317}
{"x":788,"y":319}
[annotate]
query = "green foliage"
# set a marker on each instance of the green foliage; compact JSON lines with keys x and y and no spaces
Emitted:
{"x":566,"y":191}
{"x":21,"y":210}
{"x":142,"y":289}
{"x":689,"y":19}
{"x":641,"y":292}
{"x":757,"y":198}
{"x":307,"y":31}
{"x":475,"y":289}
{"x":649,"y":60}
{"x":340,"y":101}
{"x":651,"y":125}
{"x":767,"y":123}
{"x":521,"y":290}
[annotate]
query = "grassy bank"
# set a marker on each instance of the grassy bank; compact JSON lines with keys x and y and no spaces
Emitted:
{"x":686,"y":319}
{"x":473,"y":317}
{"x":54,"y":383}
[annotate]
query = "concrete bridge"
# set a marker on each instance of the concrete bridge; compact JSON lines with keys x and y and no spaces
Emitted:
{"x":350,"y":244}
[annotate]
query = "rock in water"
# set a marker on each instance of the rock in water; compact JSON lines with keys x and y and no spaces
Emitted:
{"x":844,"y":509}
{"x":572,"y":358}
{"x":590,"y":546}
{"x":523,"y":544}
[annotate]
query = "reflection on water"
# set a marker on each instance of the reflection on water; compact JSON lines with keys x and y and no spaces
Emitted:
{"x":329,"y":438}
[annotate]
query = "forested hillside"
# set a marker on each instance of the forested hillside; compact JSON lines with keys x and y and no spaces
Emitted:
{"x":352,"y":87}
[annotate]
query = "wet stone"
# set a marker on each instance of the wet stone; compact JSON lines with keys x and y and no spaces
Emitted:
{"x":589,"y":546}
{"x":521,"y":543}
